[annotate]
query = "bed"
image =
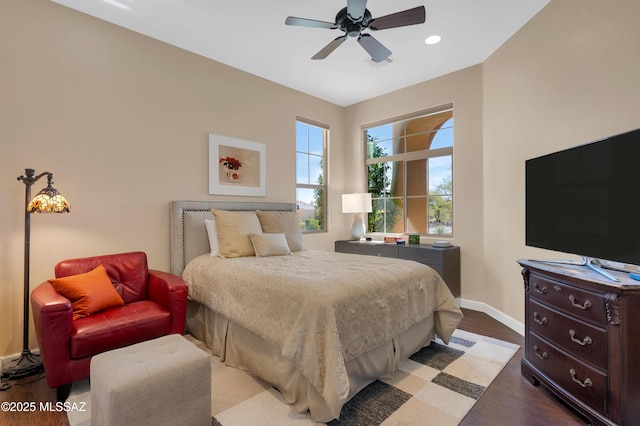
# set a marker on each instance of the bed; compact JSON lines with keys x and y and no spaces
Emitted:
{"x":319,"y":326}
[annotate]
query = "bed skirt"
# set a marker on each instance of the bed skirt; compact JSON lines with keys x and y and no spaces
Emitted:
{"x":240,"y":348}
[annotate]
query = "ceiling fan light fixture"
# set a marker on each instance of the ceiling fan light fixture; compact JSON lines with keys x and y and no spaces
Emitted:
{"x":433,"y":39}
{"x":353,"y":30}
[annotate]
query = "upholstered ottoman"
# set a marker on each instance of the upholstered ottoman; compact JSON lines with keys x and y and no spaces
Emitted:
{"x":165,"y":381}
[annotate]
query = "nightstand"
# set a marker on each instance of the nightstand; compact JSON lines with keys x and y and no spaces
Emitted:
{"x":444,"y":260}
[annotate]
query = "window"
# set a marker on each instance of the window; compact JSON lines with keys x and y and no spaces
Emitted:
{"x":311,"y":182}
{"x":409,"y":165}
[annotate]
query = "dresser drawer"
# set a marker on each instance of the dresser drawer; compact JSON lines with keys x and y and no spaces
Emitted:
{"x":433,"y":257}
{"x":574,"y":301}
{"x":583,"y":382}
{"x":373,"y":249}
{"x":582,"y":340}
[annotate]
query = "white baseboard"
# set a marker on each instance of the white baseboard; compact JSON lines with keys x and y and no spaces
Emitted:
{"x":505,"y":319}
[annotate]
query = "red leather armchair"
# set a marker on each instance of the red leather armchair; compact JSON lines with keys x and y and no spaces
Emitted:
{"x":155,"y":304}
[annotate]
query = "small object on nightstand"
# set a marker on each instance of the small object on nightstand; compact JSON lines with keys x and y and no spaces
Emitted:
{"x":414,"y":238}
{"x":442,"y":243}
{"x":401,"y":242}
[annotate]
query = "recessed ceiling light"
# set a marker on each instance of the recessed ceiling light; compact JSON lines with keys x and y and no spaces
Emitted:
{"x":433,"y":39}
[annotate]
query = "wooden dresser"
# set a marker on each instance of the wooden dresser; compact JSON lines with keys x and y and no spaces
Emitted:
{"x":582,"y":339}
{"x":444,"y":260}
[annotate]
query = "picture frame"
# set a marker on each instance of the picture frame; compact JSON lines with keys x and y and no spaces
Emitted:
{"x":237,"y":167}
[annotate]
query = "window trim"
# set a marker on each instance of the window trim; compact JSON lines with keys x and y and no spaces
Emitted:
{"x":326,"y":134}
{"x":412,"y":156}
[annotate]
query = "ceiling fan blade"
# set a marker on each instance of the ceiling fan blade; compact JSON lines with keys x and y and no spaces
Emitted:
{"x":414,"y":16}
{"x":356,"y":8}
{"x":330,"y":48}
{"x":377,"y":51}
{"x":304,"y":22}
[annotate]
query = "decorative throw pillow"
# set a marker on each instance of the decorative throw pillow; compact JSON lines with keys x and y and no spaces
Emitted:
{"x":89,"y":293}
{"x":212,"y":232}
{"x":269,"y":244}
{"x":234,"y":228}
{"x":275,"y":222}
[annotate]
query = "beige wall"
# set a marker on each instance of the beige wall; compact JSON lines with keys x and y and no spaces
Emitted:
{"x":122,"y":121}
{"x":569,"y":77}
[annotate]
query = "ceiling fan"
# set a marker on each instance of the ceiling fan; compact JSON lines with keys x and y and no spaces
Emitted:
{"x":354,"y":19}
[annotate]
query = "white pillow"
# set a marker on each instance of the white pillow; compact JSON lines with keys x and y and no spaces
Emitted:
{"x":269,"y":245}
{"x":212,"y":232}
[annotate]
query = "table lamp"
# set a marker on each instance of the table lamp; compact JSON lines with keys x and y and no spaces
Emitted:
{"x":357,"y":204}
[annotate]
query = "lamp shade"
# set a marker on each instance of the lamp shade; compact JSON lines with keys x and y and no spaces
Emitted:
{"x":356,"y":203}
{"x":49,"y":200}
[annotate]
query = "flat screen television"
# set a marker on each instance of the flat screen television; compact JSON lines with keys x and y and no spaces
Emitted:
{"x":586,"y":200}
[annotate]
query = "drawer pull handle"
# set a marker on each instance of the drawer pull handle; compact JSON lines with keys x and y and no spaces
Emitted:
{"x":542,"y":355}
{"x":587,"y":382}
{"x":586,"y":341}
{"x":541,"y":290}
{"x":536,"y":318}
{"x":586,"y":304}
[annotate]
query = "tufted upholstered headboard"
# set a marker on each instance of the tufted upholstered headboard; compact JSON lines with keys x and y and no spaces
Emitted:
{"x":188,"y":232}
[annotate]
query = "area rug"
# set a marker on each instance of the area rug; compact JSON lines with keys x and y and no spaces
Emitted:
{"x":438,"y":384}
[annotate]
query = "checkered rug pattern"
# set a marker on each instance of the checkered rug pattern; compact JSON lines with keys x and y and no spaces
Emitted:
{"x":438,"y":385}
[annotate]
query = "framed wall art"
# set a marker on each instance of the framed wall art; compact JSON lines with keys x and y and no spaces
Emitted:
{"x":237,"y":167}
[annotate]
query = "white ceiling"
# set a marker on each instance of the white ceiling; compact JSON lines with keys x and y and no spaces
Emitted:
{"x":251,"y":35}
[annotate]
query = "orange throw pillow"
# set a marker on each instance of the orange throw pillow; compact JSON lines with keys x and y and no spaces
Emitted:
{"x":89,"y":293}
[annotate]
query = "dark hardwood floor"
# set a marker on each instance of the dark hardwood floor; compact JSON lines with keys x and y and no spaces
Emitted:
{"x":510,"y":400}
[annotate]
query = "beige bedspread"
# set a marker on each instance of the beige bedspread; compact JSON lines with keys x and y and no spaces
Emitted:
{"x":323,"y":308}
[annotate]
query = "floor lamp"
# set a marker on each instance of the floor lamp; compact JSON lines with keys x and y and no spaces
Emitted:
{"x":46,"y":201}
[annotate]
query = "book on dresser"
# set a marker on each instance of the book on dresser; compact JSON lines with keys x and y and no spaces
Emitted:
{"x":582,"y":339}
{"x":444,"y":260}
